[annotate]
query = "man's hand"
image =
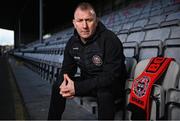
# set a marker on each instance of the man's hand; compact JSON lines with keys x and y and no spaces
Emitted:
{"x":67,"y":89}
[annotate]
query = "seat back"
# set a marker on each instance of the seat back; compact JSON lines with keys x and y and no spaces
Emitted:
{"x":136,"y":36}
{"x":149,"y":49}
{"x":173,"y":104}
{"x":158,"y":34}
{"x":122,"y":37}
{"x":130,"y":65}
{"x":130,"y":49}
{"x":172,"y":49}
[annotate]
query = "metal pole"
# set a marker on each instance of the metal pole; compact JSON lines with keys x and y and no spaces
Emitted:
{"x":19,"y":26}
{"x":40,"y":20}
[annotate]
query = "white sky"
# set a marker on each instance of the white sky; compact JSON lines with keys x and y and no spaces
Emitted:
{"x":6,"y":37}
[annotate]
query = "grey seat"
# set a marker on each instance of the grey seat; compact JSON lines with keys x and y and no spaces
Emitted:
{"x":173,"y":104}
{"x":139,"y":25}
{"x":172,"y":19}
{"x":171,"y":8}
{"x":134,"y":18}
{"x":156,"y":12}
{"x":126,"y":27}
{"x":130,"y":66}
{"x":122,"y":37}
{"x":172,"y":48}
{"x":130,"y":49}
{"x":175,"y":32}
{"x":166,"y":3}
{"x":158,"y":34}
{"x":149,"y":49}
{"x":130,"y":63}
{"x":144,"y":15}
{"x":117,"y":28}
{"x":155,"y":21}
{"x":136,"y":36}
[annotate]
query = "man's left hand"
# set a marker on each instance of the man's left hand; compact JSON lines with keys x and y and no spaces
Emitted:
{"x":67,"y":91}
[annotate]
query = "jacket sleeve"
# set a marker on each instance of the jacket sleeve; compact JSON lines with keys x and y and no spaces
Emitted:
{"x":113,"y":68}
{"x":69,"y":67}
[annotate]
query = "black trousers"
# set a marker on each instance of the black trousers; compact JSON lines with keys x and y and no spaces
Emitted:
{"x":106,"y":107}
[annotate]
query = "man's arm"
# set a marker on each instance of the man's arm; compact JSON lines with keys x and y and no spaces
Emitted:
{"x":68,"y":67}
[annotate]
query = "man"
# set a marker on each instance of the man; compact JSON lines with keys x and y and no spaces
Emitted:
{"x":99,"y":54}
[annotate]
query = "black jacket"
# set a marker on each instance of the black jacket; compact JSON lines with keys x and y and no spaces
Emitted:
{"x":101,"y":61}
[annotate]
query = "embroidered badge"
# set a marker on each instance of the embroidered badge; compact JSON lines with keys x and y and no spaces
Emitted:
{"x":97,"y":60}
{"x":140,"y":86}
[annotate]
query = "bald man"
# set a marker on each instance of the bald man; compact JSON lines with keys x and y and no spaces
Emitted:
{"x":98,"y":53}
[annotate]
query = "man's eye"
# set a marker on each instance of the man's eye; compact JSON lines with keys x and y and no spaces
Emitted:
{"x":79,"y":20}
{"x":89,"y":20}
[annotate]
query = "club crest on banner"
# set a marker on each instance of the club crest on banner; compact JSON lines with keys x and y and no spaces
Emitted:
{"x":140,"y":86}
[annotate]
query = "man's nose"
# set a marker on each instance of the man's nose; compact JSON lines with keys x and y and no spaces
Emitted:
{"x":84,"y":24}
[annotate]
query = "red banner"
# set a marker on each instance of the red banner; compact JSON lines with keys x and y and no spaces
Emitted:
{"x":142,"y":85}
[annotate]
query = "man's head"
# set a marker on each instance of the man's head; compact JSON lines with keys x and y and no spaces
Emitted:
{"x":85,"y":20}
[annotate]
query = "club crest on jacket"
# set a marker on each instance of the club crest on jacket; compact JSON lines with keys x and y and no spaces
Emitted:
{"x":97,"y":60}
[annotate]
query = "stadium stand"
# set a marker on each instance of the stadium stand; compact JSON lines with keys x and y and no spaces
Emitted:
{"x":147,"y":29}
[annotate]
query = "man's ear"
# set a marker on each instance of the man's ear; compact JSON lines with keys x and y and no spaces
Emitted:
{"x":74,"y":23}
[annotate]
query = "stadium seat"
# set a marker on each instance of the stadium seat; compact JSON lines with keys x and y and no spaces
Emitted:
{"x":156,"y":12}
{"x":136,"y":36}
{"x":130,"y":49}
{"x":155,"y":21}
{"x":158,"y":34}
{"x":175,"y":32}
{"x":130,"y":63}
{"x":122,"y":37}
{"x":172,"y":8}
{"x":134,"y":18}
{"x":126,"y":27}
{"x":149,"y":49}
{"x":144,"y":15}
{"x":139,"y":25}
{"x":172,"y":19}
{"x":173,"y":104}
{"x":167,"y":3}
{"x":172,"y":49}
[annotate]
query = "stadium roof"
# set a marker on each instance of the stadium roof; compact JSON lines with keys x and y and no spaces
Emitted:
{"x":55,"y":13}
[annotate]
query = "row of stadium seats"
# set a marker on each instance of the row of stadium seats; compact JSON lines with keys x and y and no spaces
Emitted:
{"x":152,"y":34}
{"x":153,"y":48}
{"x":135,"y":14}
{"x":156,"y":21}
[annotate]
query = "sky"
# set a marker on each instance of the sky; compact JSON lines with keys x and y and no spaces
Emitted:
{"x":6,"y":37}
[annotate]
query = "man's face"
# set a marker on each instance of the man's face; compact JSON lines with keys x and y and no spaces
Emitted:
{"x":85,"y":23}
